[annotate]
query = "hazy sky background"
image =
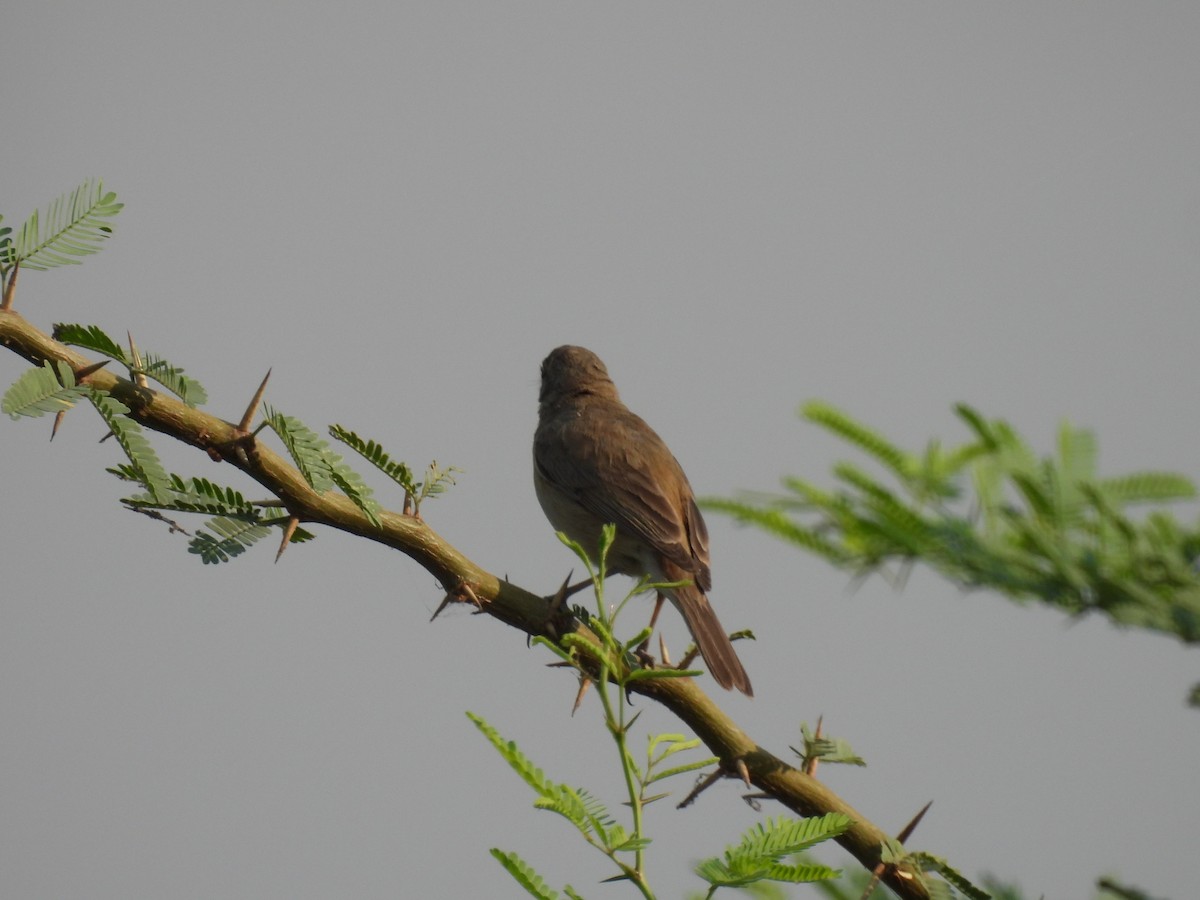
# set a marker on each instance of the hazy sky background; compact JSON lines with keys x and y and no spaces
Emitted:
{"x":402,"y":208}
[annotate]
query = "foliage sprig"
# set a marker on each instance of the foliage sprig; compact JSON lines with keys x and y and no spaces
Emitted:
{"x":990,"y":513}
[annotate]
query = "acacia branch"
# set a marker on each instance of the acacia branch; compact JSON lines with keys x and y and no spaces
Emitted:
{"x":519,"y":608}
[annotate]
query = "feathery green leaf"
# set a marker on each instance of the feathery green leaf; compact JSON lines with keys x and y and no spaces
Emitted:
{"x":758,"y":856}
{"x":75,"y":225}
{"x":306,"y":448}
{"x":172,"y":378}
{"x":436,"y":479}
{"x":198,"y":495}
{"x":530,"y":774}
{"x":351,"y":484}
{"x":524,"y":875}
{"x":866,"y":439}
{"x":143,"y":461}
{"x":1046,"y":528}
{"x":90,"y":337}
{"x":374,"y":453}
{"x":48,"y":389}
{"x":233,"y":537}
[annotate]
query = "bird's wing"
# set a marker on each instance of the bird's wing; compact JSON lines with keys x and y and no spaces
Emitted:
{"x":622,"y":472}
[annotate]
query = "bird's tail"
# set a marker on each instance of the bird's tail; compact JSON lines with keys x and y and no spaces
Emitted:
{"x":713,"y":641}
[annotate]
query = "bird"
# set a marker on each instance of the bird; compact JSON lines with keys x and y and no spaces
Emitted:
{"x":595,"y":462}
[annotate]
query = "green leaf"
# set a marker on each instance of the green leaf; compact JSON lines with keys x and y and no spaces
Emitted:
{"x":307,"y":449}
{"x":826,"y":749}
{"x":233,"y":537}
{"x":866,"y":439}
{"x":351,"y":484}
{"x":75,"y":225}
{"x":1044,"y":528}
{"x":48,"y":389}
{"x":927,"y":862}
{"x":758,"y":856}
{"x":436,"y":478}
{"x":374,"y":453}
{"x":576,"y":805}
{"x":90,"y":337}
{"x":197,"y":495}
{"x":143,"y":461}
{"x":530,"y":774}
{"x":524,"y":875}
{"x":172,"y":378}
{"x":1148,"y":487}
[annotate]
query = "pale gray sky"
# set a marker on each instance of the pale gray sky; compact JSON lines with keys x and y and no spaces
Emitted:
{"x":402,"y":208}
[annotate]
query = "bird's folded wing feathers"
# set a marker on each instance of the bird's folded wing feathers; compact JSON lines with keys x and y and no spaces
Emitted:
{"x":612,"y":476}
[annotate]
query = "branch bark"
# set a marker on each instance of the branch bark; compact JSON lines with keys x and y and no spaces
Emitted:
{"x":501,"y":599}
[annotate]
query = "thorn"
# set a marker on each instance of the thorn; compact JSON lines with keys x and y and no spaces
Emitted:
{"x":58,"y":418}
{"x":560,"y":596}
{"x":288,"y":531}
{"x":465,"y":588}
{"x":464,"y":593}
{"x":10,"y":288}
{"x":83,"y":373}
{"x":908,"y":829}
{"x":740,"y":764}
{"x":662,"y":650}
{"x":575,"y":588}
{"x":139,"y":377}
{"x":584,"y":684}
{"x":105,"y":438}
{"x":811,"y":763}
{"x":248,"y":416}
{"x":446,"y":601}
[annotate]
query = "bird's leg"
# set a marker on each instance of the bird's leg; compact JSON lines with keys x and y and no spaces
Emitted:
{"x":658,"y":602}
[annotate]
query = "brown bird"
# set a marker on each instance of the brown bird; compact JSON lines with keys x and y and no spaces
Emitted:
{"x":594,"y":463}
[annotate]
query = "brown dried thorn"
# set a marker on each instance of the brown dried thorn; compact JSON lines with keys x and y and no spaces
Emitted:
{"x":464,"y":593}
{"x":446,"y":601}
{"x":288,"y":531}
{"x":908,"y":829}
{"x":82,"y":374}
{"x":559,"y":599}
{"x":252,"y":409}
{"x":584,"y":684}
{"x":139,"y":377}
